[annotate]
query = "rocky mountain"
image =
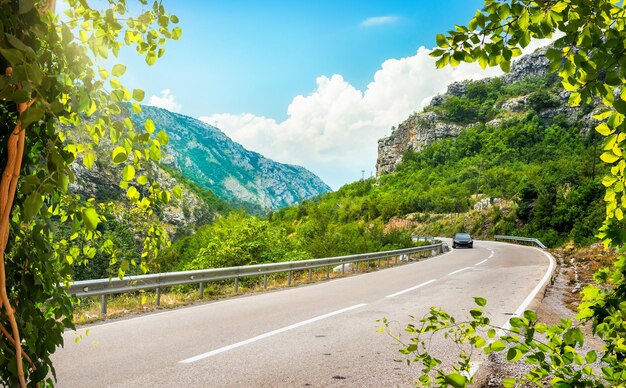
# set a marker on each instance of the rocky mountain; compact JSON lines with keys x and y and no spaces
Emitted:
{"x":424,"y":128}
{"x":208,"y":157}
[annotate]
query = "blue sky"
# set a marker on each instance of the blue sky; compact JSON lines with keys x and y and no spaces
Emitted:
{"x":255,"y":56}
{"x":312,"y":83}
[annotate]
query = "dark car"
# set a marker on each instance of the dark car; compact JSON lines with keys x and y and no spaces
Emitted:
{"x":462,"y":240}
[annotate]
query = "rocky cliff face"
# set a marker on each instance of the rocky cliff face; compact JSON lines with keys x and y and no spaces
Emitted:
{"x":207,"y":156}
{"x":102,"y":182}
{"x":421,"y":129}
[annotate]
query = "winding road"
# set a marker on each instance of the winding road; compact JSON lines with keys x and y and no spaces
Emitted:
{"x":322,"y":334}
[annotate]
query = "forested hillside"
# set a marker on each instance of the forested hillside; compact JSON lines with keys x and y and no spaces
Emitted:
{"x":521,"y":162}
{"x":529,"y":173}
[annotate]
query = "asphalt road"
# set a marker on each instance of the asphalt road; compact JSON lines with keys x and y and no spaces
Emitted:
{"x":322,"y":334}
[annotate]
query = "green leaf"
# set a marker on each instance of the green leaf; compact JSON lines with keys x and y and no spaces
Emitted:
{"x":508,"y":382}
{"x":119,"y":155}
{"x":104,"y":74}
{"x":138,"y":95}
{"x":497,"y":346}
{"x":491,"y":333}
{"x":524,"y":20}
{"x":513,"y":355}
{"x":609,"y":157}
{"x":174,"y":19}
{"x":483,"y":61}
{"x":89,"y":159}
{"x":530,"y":315}
{"x":177,"y":32}
{"x":574,"y":99}
{"x":163,"y":138}
{"x":132,"y":193}
{"x":32,"y":204}
{"x":118,"y":70}
{"x":129,"y":173}
{"x":142,"y":180}
{"x":151,"y":57}
{"x":505,"y":65}
{"x":178,"y":192}
{"x":456,"y":380}
{"x":608,"y":181}
{"x":90,"y":218}
{"x":13,"y":56}
{"x":591,"y":357}
{"x":604,"y":129}
{"x":32,"y":115}
{"x":149,"y":125}
{"x":442,"y":41}
{"x":480,"y":301}
{"x":165,"y":196}
{"x":154,"y":152}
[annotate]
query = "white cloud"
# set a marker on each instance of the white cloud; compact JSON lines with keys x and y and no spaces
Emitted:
{"x":334,"y":131}
{"x":379,"y":20}
{"x":166,"y":101}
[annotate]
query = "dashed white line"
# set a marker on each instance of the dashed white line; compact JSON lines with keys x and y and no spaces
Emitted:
{"x":268,"y":334}
{"x":459,"y":270}
{"x":411,"y":289}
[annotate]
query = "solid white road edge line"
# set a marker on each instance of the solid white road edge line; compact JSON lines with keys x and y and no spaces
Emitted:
{"x":520,"y":310}
{"x":484,"y":261}
{"x":474,"y":366}
{"x":459,"y":270}
{"x":268,"y":334}
{"x":411,"y":289}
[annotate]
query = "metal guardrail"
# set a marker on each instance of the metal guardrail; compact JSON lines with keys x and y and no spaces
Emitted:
{"x":104,"y":287}
{"x":523,"y":239}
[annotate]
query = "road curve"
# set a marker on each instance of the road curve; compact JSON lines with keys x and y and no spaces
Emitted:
{"x":322,"y":334}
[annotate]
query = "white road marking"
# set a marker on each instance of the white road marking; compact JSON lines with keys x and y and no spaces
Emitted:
{"x":484,"y":261}
{"x":459,"y":270}
{"x":268,"y":334}
{"x":491,"y":255}
{"x":520,"y":310}
{"x":411,"y":289}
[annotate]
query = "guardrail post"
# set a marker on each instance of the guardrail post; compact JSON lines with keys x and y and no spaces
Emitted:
{"x":236,"y":285}
{"x":327,"y":272}
{"x":387,"y":261}
{"x":289,"y":281}
{"x":201,"y":290}
{"x":265,"y":281}
{"x":310,"y":274}
{"x":356,"y":267}
{"x":158,"y":297}
{"x":396,"y":261}
{"x":378,"y":266}
{"x":343,"y":269}
{"x":103,"y":305}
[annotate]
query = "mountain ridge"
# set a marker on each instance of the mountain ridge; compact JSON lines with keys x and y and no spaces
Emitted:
{"x":210,"y":158}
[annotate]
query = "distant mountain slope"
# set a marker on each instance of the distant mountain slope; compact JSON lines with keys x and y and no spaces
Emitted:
{"x":207,"y":156}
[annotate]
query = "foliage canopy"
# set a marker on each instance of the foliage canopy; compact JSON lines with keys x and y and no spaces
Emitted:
{"x":58,"y":104}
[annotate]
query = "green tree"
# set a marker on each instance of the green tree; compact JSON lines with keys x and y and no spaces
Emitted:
{"x":58,"y":104}
{"x":590,"y":58}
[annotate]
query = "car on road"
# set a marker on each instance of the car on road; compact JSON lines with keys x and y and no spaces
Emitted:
{"x":462,"y":240}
